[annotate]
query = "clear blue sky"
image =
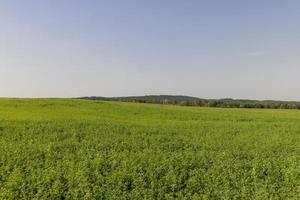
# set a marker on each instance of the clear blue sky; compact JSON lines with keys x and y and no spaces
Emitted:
{"x":210,"y":49}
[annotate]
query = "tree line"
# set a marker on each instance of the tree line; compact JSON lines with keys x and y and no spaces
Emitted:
{"x":194,"y":101}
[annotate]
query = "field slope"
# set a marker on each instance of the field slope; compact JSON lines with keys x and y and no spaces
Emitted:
{"x":81,"y":149}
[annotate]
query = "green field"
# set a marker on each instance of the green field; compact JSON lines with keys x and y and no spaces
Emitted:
{"x":80,"y":149}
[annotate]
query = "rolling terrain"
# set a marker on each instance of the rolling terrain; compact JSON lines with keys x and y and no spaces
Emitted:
{"x":82,"y":149}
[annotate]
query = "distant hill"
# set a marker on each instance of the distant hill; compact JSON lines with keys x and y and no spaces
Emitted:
{"x":147,"y":98}
{"x":195,"y":101}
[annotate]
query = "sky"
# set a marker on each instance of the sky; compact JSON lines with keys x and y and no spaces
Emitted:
{"x":246,"y":49}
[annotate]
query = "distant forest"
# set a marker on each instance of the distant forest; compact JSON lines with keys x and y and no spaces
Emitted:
{"x":194,"y":101}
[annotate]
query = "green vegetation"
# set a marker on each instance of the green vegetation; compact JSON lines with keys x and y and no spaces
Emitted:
{"x":80,"y":149}
{"x":194,"y":101}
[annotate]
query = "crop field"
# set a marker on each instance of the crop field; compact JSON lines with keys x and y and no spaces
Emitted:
{"x":81,"y":149}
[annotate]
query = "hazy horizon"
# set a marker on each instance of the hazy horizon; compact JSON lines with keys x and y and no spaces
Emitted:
{"x":207,"y":49}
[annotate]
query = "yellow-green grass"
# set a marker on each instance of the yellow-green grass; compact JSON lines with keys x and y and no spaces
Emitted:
{"x":79,"y":149}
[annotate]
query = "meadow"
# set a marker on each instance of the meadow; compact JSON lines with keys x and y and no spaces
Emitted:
{"x":82,"y":149}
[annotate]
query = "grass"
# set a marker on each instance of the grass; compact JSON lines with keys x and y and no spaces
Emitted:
{"x":79,"y":149}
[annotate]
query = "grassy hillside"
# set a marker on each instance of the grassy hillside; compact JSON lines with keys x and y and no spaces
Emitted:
{"x":80,"y":149}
